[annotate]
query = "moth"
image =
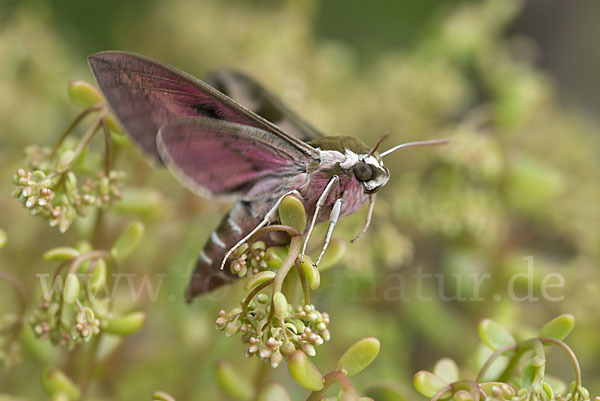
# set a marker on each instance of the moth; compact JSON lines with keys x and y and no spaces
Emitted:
{"x":253,"y":154}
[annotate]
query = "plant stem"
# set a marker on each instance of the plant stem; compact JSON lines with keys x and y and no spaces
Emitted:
{"x":570,"y":354}
{"x":70,"y":128}
{"x":292,"y":255}
{"x":253,"y":294}
{"x":338,"y":377}
{"x":493,"y":357}
{"x":22,"y":301}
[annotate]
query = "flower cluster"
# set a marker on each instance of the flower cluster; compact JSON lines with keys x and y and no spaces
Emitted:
{"x":271,"y":338}
{"x":49,"y":188}
{"x":249,"y":258}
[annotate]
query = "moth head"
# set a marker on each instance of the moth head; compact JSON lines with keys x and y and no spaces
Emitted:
{"x":370,"y":172}
{"x":369,"y":169}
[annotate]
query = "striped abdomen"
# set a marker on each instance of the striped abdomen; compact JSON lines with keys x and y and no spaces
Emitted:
{"x":240,"y":220}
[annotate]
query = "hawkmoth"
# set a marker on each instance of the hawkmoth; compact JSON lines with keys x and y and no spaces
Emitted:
{"x":253,"y":154}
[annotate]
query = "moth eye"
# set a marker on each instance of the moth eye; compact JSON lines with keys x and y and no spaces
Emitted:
{"x":363,"y":171}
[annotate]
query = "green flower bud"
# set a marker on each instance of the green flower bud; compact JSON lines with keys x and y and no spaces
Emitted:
{"x":447,"y":370}
{"x":71,"y":289}
{"x":258,"y":279}
{"x":263,"y":298}
{"x":360,"y":355}
{"x":304,"y":372}
{"x":292,"y":213}
{"x":54,"y":382}
{"x":280,"y":305}
{"x":61,"y":254}
{"x":429,"y":384}
{"x":493,"y":335}
{"x":558,"y":328}
{"x":127,"y":241}
{"x":311,"y":272}
{"x":38,"y":176}
{"x":233,"y":384}
{"x":275,"y":256}
{"x":71,"y":181}
{"x":65,"y":160}
{"x":463,"y":395}
{"x":84,"y":95}
{"x":126,"y":324}
{"x":232,"y":328}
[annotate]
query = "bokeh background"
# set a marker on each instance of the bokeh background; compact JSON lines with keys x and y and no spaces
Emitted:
{"x":514,"y":83}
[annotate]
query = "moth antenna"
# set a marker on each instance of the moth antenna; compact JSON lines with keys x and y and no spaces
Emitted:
{"x":379,"y":142}
{"x":433,"y":142}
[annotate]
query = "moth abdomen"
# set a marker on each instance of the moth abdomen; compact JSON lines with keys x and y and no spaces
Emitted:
{"x":208,"y":276}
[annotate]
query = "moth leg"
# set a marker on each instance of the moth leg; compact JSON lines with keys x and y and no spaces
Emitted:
{"x":320,"y":203}
{"x":333,"y":219}
{"x":270,"y":217}
{"x":369,"y":215}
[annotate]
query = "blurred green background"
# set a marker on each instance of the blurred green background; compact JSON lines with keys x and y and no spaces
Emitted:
{"x":515,"y":85}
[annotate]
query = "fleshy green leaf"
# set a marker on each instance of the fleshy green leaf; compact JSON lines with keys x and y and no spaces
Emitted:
{"x":54,"y":382}
{"x":528,"y":374}
{"x":360,"y":355}
{"x":494,"y":335}
{"x":292,"y":213}
{"x":428,"y":384}
{"x":232,"y":383}
{"x":127,"y":241}
{"x":2,"y":238}
{"x":558,"y":328}
{"x":61,"y":254}
{"x":280,"y":304}
{"x":126,"y":324}
{"x":311,"y":272}
{"x":446,"y":370}
{"x":273,"y":392}
{"x":275,"y":255}
{"x":258,"y":279}
{"x":84,"y":95}
{"x":71,"y":289}
{"x":388,"y":392}
{"x":162,"y":396}
{"x":334,"y":254}
{"x":304,"y":372}
{"x":97,"y":277}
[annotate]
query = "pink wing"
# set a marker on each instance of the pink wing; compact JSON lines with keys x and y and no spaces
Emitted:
{"x":219,"y":158}
{"x":145,"y":94}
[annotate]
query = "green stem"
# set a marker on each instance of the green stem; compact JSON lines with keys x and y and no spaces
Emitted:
{"x":253,"y":294}
{"x":22,"y":301}
{"x":570,"y":354}
{"x":274,"y":227}
{"x":70,"y":128}
{"x":292,"y":255}
{"x":338,"y":377}
{"x":493,"y":357}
